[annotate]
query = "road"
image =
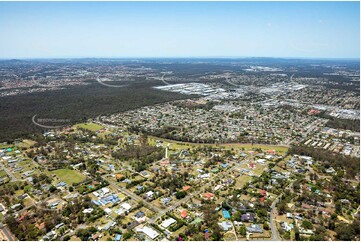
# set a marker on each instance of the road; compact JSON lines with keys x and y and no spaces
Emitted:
{"x":274,"y":230}
{"x":7,"y":233}
{"x":234,"y":231}
{"x":160,"y":212}
{"x":170,"y":208}
{"x":133,"y":196}
{"x":291,"y":77}
{"x":11,"y":175}
{"x":275,"y":235}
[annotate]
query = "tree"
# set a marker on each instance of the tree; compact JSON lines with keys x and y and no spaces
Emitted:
{"x":242,"y":230}
{"x":307,"y":224}
{"x":344,"y":232}
{"x":338,"y":207}
{"x":180,"y":194}
{"x":281,"y":207}
{"x":266,"y":226}
{"x":262,"y":213}
{"x":52,"y":189}
{"x":216,"y":235}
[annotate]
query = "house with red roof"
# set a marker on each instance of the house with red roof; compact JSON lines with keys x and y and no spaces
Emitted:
{"x":313,"y":112}
{"x":207,"y":196}
{"x":262,"y":192}
{"x":164,"y":162}
{"x":186,"y":188}
{"x":271,"y":152}
{"x":184,"y":214}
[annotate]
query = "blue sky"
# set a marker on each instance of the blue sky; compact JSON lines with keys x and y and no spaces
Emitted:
{"x":179,"y":29}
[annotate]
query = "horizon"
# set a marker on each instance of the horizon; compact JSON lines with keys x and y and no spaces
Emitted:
{"x":312,"y":30}
{"x":179,"y":57}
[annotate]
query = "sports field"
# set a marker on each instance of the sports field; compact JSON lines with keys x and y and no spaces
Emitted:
{"x":69,"y":176}
{"x":89,"y":126}
{"x":26,"y":143}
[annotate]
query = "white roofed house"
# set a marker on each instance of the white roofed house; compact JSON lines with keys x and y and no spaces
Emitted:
{"x":149,"y":194}
{"x":330,"y":170}
{"x":105,"y":190}
{"x":168,"y":222}
{"x":151,"y":233}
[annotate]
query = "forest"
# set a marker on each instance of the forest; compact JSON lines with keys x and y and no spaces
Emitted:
{"x":75,"y":104}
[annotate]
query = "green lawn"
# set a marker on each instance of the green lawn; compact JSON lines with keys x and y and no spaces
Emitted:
{"x":26,"y":143}
{"x":89,"y":126}
{"x":69,"y":176}
{"x":3,"y":173}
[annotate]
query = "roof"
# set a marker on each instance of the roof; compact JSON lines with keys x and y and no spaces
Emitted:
{"x":197,"y":221}
{"x":184,"y":213}
{"x":117,"y":237}
{"x":105,"y":190}
{"x":149,"y":193}
{"x":119,"y":176}
{"x":271,"y":151}
{"x":255,"y":228}
{"x":225,"y":225}
{"x":208,"y":195}
{"x":247,"y":217}
{"x":262,"y":192}
{"x":186,"y":188}
{"x":166,"y":223}
{"x":139,"y":214}
{"x":151,"y":233}
{"x":225,"y":165}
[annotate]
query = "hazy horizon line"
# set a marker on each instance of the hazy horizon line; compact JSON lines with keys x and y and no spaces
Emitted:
{"x":177,"y":57}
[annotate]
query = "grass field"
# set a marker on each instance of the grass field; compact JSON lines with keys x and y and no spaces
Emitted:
{"x":3,"y":173}
{"x":89,"y":126}
{"x":69,"y":176}
{"x":229,"y":236}
{"x":237,"y":146}
{"x":26,"y":143}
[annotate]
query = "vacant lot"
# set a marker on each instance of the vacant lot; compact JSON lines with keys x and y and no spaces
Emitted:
{"x":69,"y":176}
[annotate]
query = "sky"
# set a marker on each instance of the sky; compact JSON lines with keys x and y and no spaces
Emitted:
{"x":179,"y":29}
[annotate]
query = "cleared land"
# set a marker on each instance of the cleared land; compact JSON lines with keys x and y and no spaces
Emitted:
{"x":69,"y":176}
